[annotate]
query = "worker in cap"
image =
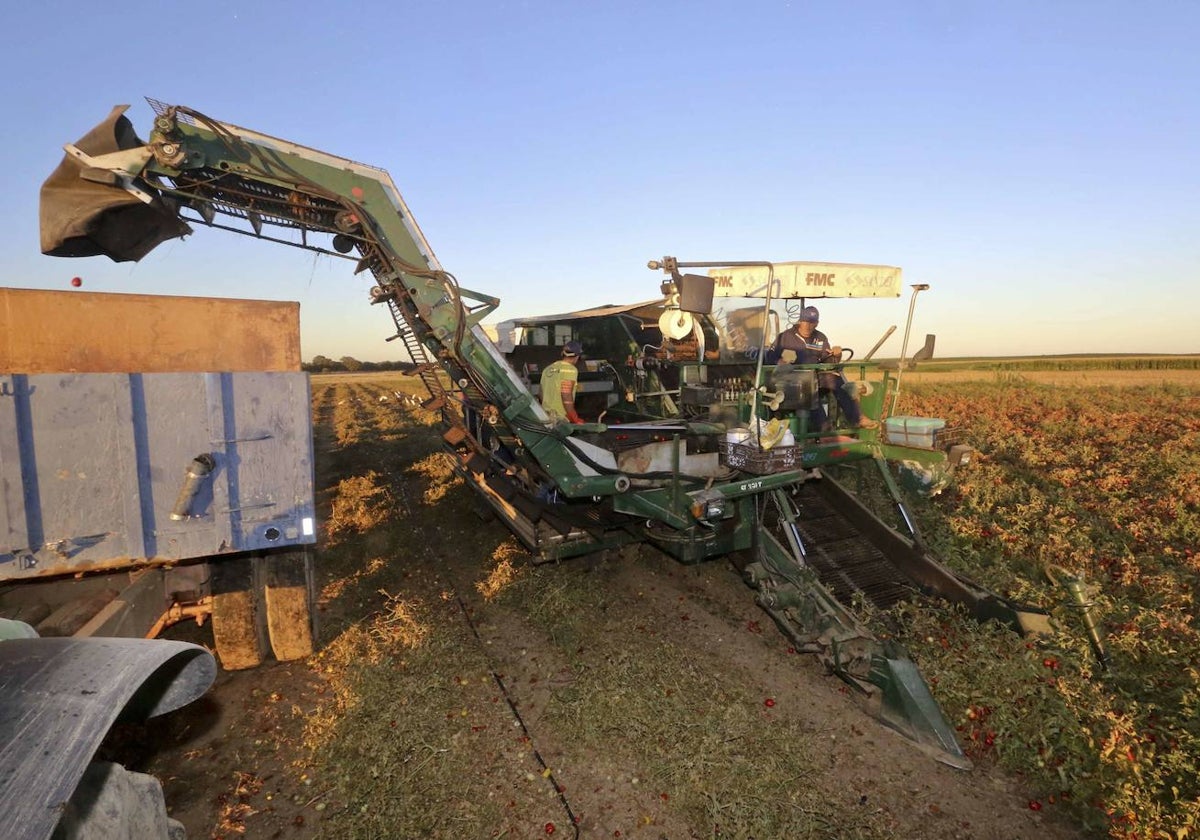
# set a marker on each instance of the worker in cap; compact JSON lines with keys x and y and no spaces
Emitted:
{"x":804,"y":344}
{"x":559,"y":382}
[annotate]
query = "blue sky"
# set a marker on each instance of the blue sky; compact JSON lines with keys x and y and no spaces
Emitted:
{"x":1038,"y":164}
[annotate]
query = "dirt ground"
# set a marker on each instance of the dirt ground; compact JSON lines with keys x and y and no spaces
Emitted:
{"x":530,"y":702}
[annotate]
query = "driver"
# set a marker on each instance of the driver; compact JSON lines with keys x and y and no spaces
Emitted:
{"x":803,"y":343}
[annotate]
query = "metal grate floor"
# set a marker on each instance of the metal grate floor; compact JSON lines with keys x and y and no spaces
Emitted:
{"x":846,"y":563}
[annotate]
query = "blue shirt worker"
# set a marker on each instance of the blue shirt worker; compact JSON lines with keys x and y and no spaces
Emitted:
{"x":810,"y":346}
{"x":559,"y":382}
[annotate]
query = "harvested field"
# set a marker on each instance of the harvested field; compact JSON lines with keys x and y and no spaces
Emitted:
{"x":461,"y":692}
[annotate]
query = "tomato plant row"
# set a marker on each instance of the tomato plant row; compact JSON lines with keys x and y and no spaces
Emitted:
{"x":1092,"y":482}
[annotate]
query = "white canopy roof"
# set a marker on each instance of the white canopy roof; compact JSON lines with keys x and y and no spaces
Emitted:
{"x":808,"y":280}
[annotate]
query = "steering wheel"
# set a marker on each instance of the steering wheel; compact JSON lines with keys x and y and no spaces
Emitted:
{"x":847,"y":355}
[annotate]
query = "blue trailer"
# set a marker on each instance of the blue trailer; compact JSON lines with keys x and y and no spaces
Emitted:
{"x":132,"y":500}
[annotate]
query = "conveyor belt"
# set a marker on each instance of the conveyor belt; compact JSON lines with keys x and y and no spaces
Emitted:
{"x":856,"y":555}
{"x":846,"y":561}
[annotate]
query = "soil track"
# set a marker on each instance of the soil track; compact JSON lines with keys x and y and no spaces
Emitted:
{"x":648,"y":699}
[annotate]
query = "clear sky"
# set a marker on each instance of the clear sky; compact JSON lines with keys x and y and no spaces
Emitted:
{"x":1037,"y":163}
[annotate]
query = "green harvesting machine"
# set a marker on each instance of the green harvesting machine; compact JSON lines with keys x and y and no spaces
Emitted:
{"x":694,"y":443}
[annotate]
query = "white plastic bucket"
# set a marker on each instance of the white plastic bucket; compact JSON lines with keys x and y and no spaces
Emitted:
{"x":737,"y":437}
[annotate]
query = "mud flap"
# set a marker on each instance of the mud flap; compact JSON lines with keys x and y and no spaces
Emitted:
{"x":58,"y":699}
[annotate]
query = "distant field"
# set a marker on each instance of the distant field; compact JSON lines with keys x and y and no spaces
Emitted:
{"x":1085,"y":371}
{"x":1080,"y":362}
{"x":1092,"y":377}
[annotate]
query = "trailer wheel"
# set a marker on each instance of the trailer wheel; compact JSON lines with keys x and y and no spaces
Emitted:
{"x":117,"y":804}
{"x":238,"y":618}
{"x":289,"y":598}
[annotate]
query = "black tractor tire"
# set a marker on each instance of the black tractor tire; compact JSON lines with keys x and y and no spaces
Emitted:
{"x":288,"y":590}
{"x":112,"y":803}
{"x":239,"y":622}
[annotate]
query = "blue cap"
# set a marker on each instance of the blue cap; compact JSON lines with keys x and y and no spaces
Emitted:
{"x":810,"y":313}
{"x":572,"y":348}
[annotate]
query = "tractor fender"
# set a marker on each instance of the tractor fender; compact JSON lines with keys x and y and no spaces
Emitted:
{"x":58,"y":699}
